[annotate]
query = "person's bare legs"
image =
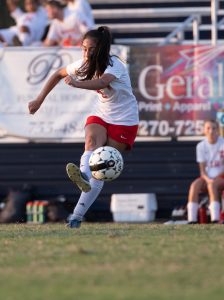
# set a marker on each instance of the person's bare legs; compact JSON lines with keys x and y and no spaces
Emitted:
{"x":96,"y":136}
{"x":214,"y":191}
{"x":197,"y":186}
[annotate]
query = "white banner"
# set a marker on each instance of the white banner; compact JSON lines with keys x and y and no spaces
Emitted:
{"x":23,"y":72}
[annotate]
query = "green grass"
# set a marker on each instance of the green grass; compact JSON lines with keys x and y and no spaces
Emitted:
{"x":112,"y":261}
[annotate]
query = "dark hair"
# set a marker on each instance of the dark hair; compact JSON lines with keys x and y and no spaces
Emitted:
{"x":101,"y":57}
{"x":213,"y":121}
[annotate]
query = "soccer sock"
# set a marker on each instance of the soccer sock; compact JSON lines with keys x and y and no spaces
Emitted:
{"x":84,"y":163}
{"x":87,"y":199}
{"x":214,"y":210}
{"x":192,"y":211}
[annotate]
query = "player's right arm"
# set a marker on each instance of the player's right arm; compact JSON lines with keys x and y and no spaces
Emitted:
{"x":48,"y":87}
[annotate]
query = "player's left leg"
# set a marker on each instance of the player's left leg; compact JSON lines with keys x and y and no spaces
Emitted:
{"x":214,"y":190}
{"x":196,"y":187}
{"x":119,"y":146}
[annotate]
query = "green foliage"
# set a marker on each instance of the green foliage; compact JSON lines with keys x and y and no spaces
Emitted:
{"x":112,"y":261}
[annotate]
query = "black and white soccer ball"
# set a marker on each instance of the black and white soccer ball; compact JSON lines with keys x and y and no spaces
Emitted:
{"x":106,"y":163}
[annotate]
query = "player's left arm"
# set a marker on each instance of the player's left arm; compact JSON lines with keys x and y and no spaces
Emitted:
{"x":94,"y":84}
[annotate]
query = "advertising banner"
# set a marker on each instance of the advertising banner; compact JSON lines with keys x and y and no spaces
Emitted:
{"x":178,"y":88}
{"x":23,"y":72}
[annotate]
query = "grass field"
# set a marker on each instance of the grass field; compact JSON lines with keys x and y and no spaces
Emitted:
{"x":111,"y":261}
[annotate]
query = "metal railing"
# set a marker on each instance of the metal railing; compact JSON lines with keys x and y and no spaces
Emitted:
{"x":214,"y":18}
{"x":194,"y":21}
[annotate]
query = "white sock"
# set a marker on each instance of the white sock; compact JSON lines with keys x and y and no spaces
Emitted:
{"x":84,"y":163}
{"x":87,"y":199}
{"x":192,"y":211}
{"x":214,"y":210}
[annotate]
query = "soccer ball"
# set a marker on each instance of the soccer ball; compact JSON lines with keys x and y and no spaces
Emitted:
{"x":106,"y":163}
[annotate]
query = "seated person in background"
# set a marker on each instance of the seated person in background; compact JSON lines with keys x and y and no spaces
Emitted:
{"x":210,"y":156}
{"x":30,"y":25}
{"x":83,"y":8}
{"x":67,"y":26}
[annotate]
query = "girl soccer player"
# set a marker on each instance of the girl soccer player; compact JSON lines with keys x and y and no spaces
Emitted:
{"x":114,"y":120}
{"x":210,"y":158}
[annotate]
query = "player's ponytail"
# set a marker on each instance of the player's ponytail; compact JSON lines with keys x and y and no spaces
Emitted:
{"x":100,"y":58}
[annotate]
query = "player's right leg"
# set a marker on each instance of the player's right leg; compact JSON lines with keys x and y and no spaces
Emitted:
{"x":96,"y":136}
{"x":197,"y":186}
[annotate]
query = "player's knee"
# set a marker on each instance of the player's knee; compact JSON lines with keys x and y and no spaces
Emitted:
{"x":194,"y":187}
{"x":213,"y":186}
{"x":90,"y":142}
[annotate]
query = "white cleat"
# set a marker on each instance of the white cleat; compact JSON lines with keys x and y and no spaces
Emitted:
{"x":78,"y":178}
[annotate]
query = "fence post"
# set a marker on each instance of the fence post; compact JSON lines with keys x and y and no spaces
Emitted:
{"x":214,"y":12}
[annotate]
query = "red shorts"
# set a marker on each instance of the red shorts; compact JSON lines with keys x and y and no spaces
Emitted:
{"x":120,"y":133}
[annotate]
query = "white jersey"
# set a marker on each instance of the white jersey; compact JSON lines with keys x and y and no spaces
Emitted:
{"x":16,"y":14}
{"x":83,"y":8}
{"x":116,"y":104}
{"x":212,"y":155}
{"x":71,"y":27}
{"x":35,"y":21}
{"x":39,"y":24}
